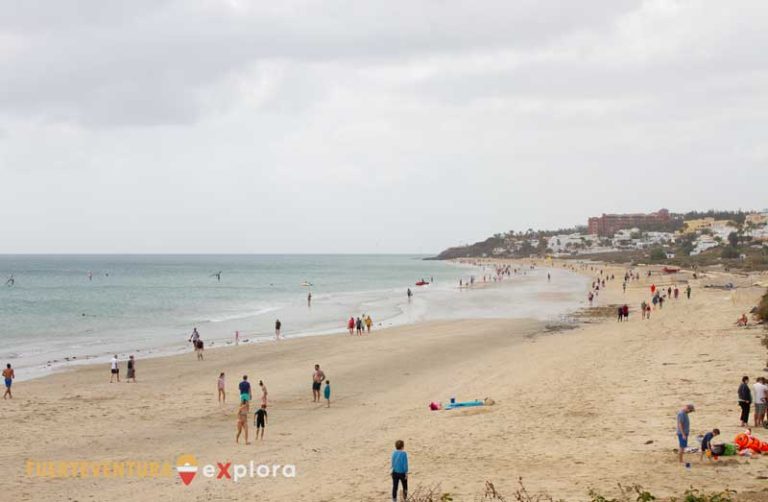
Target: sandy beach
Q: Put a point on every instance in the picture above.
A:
(575, 409)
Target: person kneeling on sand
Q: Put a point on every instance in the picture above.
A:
(706, 444)
(742, 321)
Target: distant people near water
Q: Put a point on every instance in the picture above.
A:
(260, 420)
(194, 337)
(643, 306)
(359, 326)
(351, 325)
(653, 289)
(131, 370)
(745, 400)
(410, 295)
(199, 349)
(683, 429)
(621, 314)
(8, 376)
(399, 470)
(237, 338)
(309, 299)
(11, 281)
(625, 311)
(368, 323)
(706, 444)
(590, 297)
(688, 291)
(760, 398)
(114, 369)
(242, 421)
(221, 386)
(549, 276)
(263, 393)
(245, 389)
(317, 381)
(327, 392)
(278, 327)
(677, 292)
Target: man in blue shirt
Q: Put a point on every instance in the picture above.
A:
(683, 429)
(399, 470)
(245, 389)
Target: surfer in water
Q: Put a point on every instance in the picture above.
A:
(11, 281)
(217, 275)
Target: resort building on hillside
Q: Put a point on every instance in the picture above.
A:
(608, 224)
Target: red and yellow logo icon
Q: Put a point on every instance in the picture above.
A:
(186, 466)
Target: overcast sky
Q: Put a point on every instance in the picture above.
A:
(361, 126)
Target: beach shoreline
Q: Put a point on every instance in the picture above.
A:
(586, 401)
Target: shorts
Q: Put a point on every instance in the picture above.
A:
(315, 385)
(759, 408)
(245, 397)
(683, 443)
(260, 424)
(8, 382)
(114, 372)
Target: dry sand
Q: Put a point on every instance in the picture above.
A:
(575, 409)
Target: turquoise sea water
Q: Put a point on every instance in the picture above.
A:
(85, 307)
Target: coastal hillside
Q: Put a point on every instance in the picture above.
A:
(733, 238)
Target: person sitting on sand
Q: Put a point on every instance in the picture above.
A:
(221, 386)
(260, 420)
(242, 421)
(8, 375)
(742, 321)
(327, 392)
(706, 443)
(683, 429)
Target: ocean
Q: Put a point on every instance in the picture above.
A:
(69, 309)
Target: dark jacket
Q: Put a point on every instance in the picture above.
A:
(744, 393)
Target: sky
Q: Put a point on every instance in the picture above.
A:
(212, 126)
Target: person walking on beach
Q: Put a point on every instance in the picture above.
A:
(8, 376)
(263, 393)
(410, 294)
(131, 370)
(114, 369)
(745, 400)
(309, 299)
(621, 314)
(327, 392)
(368, 323)
(683, 429)
(688, 291)
(643, 306)
(351, 325)
(278, 325)
(317, 380)
(194, 337)
(399, 470)
(242, 421)
(245, 389)
(625, 312)
(199, 349)
(359, 326)
(260, 420)
(221, 387)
